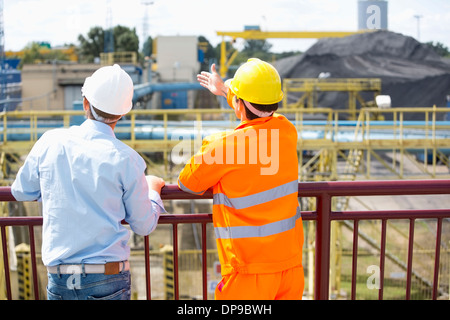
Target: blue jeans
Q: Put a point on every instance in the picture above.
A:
(89, 286)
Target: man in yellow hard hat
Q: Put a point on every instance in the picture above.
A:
(89, 182)
(253, 171)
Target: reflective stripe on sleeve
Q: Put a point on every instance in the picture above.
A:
(257, 198)
(186, 189)
(258, 231)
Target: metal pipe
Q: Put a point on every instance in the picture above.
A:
(142, 90)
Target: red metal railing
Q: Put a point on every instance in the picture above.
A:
(323, 215)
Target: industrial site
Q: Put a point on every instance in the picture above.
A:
(372, 112)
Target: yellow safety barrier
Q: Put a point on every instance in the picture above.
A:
(168, 266)
(24, 271)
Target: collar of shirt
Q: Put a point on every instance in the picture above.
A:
(98, 126)
(249, 123)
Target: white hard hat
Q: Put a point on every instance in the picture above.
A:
(109, 89)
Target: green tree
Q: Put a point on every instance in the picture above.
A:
(40, 52)
(92, 45)
(125, 39)
(440, 48)
(255, 49)
(210, 55)
(217, 49)
(257, 46)
(147, 50)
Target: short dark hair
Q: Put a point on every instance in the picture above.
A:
(261, 107)
(110, 118)
(106, 115)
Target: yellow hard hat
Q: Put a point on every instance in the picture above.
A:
(257, 82)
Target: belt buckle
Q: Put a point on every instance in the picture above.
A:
(112, 268)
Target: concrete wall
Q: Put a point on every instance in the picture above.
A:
(177, 58)
(44, 85)
(177, 61)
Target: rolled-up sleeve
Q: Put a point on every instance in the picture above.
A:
(199, 175)
(142, 205)
(26, 186)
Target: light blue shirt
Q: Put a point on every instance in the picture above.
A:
(88, 182)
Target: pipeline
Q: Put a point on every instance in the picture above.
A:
(158, 130)
(147, 89)
(140, 91)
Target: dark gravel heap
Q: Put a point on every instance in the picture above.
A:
(411, 72)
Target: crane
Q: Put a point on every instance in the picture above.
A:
(2, 56)
(255, 33)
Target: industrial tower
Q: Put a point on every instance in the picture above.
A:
(109, 35)
(145, 24)
(2, 57)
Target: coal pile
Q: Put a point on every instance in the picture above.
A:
(411, 72)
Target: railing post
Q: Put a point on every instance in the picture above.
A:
(410, 258)
(437, 256)
(204, 263)
(148, 288)
(6, 262)
(33, 262)
(322, 274)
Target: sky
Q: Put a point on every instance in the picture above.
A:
(61, 21)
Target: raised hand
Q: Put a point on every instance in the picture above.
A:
(213, 82)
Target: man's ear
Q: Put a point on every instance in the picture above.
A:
(240, 109)
(86, 105)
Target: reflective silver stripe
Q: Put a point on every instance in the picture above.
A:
(257, 198)
(258, 231)
(186, 189)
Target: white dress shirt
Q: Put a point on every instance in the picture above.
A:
(88, 182)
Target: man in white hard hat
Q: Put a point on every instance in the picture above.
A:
(89, 182)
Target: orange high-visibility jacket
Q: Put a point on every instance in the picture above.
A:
(254, 174)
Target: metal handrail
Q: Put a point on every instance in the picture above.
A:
(323, 215)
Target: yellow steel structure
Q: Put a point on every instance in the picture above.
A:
(325, 152)
(320, 158)
(24, 271)
(69, 51)
(257, 34)
(110, 58)
(329, 150)
(310, 87)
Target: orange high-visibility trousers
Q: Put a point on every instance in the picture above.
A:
(284, 285)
